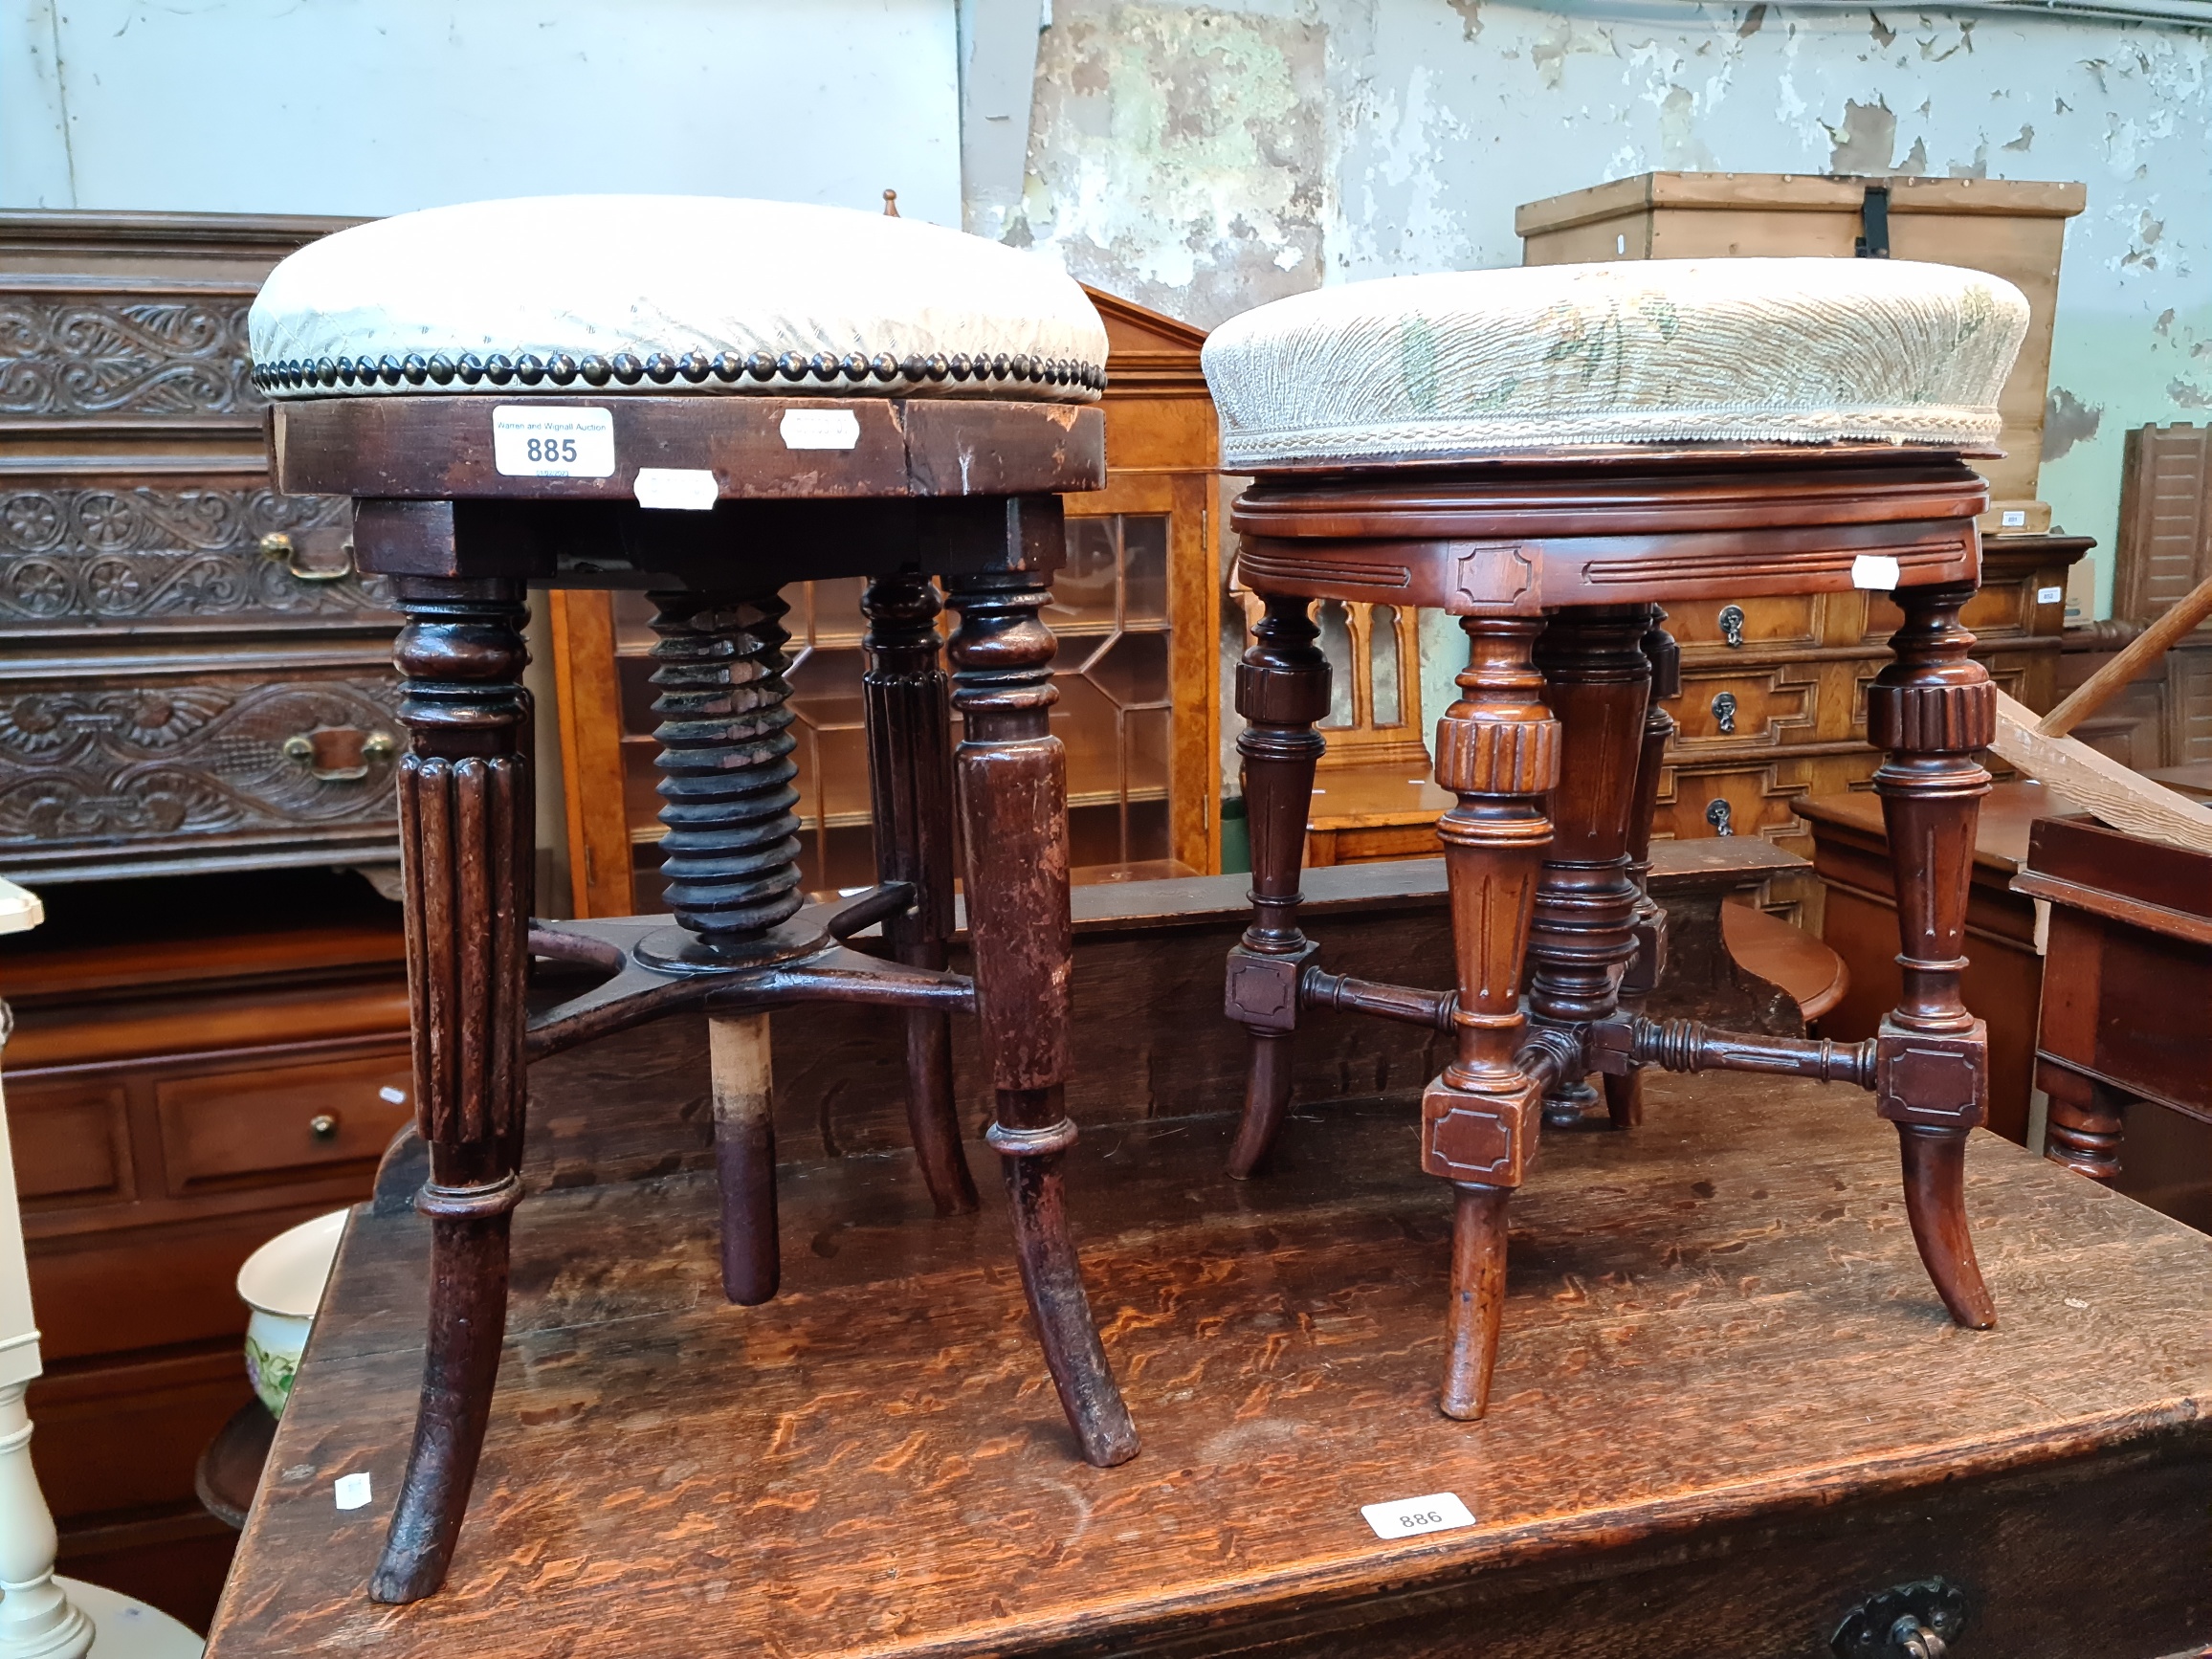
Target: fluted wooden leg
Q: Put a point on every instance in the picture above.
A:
(910, 787)
(1934, 709)
(1013, 800)
(1497, 749)
(465, 835)
(1282, 691)
(1598, 681)
(1625, 1090)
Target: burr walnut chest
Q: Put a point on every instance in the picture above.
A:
(196, 679)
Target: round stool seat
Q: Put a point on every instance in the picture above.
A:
(1412, 368)
(658, 294)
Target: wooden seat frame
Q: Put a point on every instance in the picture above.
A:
(965, 490)
(1556, 562)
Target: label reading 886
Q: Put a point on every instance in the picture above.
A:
(1408, 1517)
(553, 443)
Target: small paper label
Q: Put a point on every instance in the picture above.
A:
(2049, 595)
(684, 489)
(1408, 1517)
(553, 443)
(2012, 518)
(397, 1097)
(820, 429)
(1874, 570)
(352, 1490)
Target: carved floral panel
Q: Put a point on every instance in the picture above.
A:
(146, 355)
(101, 765)
(71, 556)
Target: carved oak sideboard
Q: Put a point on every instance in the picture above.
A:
(195, 677)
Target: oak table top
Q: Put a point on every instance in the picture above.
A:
(1721, 1344)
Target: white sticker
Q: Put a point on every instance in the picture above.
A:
(685, 489)
(352, 1490)
(820, 429)
(397, 1097)
(2012, 518)
(553, 443)
(2049, 595)
(1410, 1516)
(1876, 570)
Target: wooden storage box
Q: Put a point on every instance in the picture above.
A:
(2009, 228)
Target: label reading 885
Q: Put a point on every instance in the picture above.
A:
(553, 443)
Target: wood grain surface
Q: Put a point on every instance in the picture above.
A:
(1730, 1407)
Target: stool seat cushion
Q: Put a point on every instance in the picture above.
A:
(660, 294)
(1639, 351)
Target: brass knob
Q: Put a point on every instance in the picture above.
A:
(298, 748)
(323, 1126)
(277, 544)
(380, 745)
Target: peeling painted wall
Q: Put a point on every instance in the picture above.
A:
(1205, 158)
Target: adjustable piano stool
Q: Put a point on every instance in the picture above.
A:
(710, 398)
(1548, 455)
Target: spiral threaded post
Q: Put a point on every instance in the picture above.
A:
(730, 853)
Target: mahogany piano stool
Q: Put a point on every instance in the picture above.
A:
(898, 464)
(1555, 549)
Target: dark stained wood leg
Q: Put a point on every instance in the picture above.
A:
(1625, 1090)
(730, 858)
(1013, 802)
(465, 834)
(1498, 750)
(1598, 682)
(1934, 709)
(1282, 690)
(910, 788)
(2086, 1126)
(745, 1155)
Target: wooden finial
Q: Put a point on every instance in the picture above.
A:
(891, 203)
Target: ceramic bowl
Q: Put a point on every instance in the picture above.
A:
(282, 1283)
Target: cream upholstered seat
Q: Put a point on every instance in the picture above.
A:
(670, 294)
(1642, 352)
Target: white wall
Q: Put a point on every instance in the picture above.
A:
(375, 106)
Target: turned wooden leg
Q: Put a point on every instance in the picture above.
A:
(737, 1057)
(1625, 1090)
(2085, 1125)
(1598, 682)
(1498, 750)
(730, 857)
(1013, 803)
(1934, 709)
(465, 837)
(910, 787)
(1282, 690)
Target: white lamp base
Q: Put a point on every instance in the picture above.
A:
(126, 1629)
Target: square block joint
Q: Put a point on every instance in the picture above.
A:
(1941, 1081)
(1485, 1139)
(1263, 990)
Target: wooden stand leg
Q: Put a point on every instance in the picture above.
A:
(1934, 709)
(910, 787)
(1598, 681)
(465, 835)
(2086, 1127)
(1625, 1090)
(737, 1057)
(1498, 750)
(1013, 800)
(1282, 690)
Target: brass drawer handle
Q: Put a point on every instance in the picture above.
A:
(1917, 1621)
(324, 555)
(1724, 712)
(1732, 627)
(339, 754)
(323, 1126)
